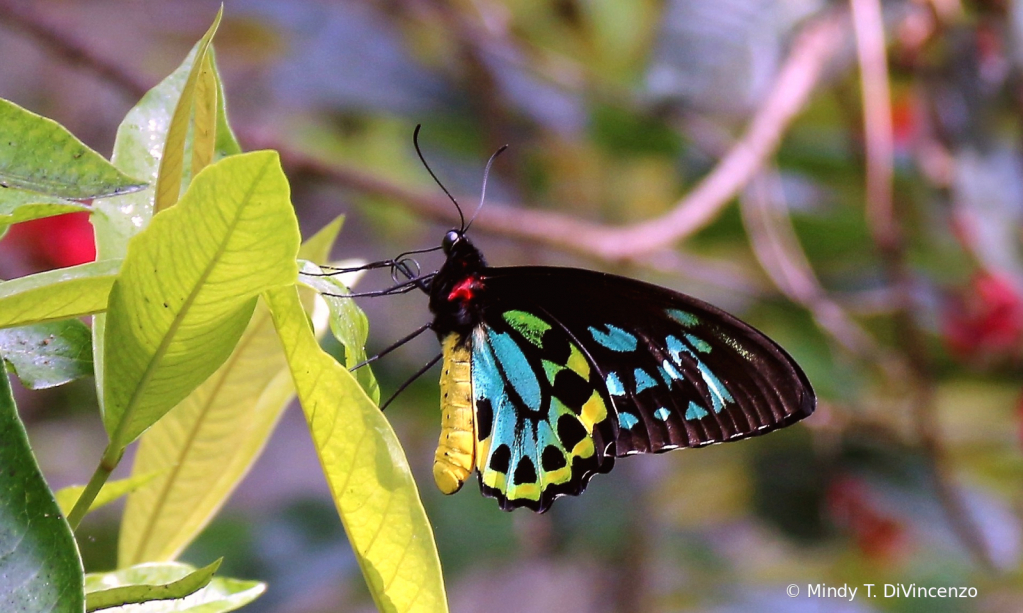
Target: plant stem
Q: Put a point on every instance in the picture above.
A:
(111, 457)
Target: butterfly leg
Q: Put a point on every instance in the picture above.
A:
(393, 346)
(409, 381)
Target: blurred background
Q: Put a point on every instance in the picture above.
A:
(848, 177)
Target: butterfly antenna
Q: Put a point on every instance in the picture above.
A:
(483, 195)
(415, 141)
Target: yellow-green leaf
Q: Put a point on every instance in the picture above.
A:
(18, 205)
(40, 155)
(111, 491)
(168, 182)
(163, 579)
(365, 468)
(57, 294)
(204, 131)
(226, 143)
(138, 150)
(205, 445)
(347, 322)
(188, 286)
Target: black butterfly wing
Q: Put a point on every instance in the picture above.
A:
(679, 372)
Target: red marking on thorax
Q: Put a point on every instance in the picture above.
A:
(465, 289)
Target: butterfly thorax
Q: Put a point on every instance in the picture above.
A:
(456, 291)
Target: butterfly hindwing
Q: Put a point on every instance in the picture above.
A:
(677, 371)
(543, 418)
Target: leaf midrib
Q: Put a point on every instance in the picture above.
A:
(185, 450)
(161, 350)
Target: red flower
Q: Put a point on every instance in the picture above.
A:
(986, 319)
(55, 242)
(852, 507)
(904, 123)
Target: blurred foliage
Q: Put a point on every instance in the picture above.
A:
(614, 111)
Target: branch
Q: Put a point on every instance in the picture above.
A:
(777, 249)
(814, 47)
(819, 41)
(887, 233)
(437, 207)
(72, 49)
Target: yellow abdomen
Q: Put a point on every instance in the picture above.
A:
(453, 462)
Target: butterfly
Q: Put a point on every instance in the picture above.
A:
(549, 374)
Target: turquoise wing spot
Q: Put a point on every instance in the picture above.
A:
(698, 343)
(614, 339)
(627, 420)
(720, 396)
(643, 380)
(662, 414)
(513, 362)
(676, 348)
(673, 372)
(524, 448)
(664, 375)
(719, 392)
(614, 385)
(695, 411)
(487, 383)
(686, 319)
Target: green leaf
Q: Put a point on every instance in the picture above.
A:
(40, 155)
(347, 322)
(227, 144)
(219, 595)
(365, 468)
(18, 205)
(188, 286)
(148, 592)
(138, 150)
(57, 294)
(206, 444)
(50, 354)
(204, 133)
(111, 491)
(168, 181)
(39, 568)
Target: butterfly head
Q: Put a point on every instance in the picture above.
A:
(450, 240)
(462, 256)
(456, 290)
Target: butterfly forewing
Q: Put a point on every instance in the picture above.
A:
(677, 371)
